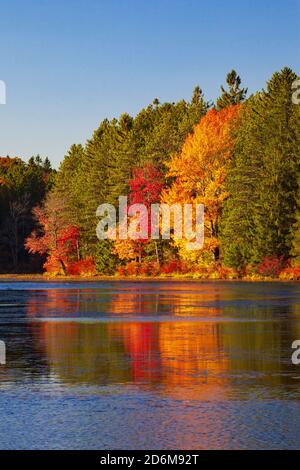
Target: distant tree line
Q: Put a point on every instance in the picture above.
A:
(22, 187)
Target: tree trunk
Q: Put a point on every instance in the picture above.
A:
(63, 266)
(156, 252)
(217, 254)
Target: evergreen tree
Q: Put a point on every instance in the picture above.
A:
(295, 250)
(22, 186)
(100, 172)
(260, 212)
(235, 93)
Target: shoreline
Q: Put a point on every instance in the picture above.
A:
(98, 278)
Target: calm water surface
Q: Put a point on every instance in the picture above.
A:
(149, 365)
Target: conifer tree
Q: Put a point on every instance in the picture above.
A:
(235, 93)
(263, 181)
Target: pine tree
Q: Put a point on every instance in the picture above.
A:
(260, 212)
(235, 93)
(101, 171)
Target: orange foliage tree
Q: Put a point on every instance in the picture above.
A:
(200, 171)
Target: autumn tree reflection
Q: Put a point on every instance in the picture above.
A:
(180, 340)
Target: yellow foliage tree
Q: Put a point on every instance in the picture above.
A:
(200, 171)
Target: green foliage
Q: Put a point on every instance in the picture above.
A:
(106, 261)
(100, 172)
(235, 94)
(263, 182)
(22, 186)
(295, 249)
(259, 215)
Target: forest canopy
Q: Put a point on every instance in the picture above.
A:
(239, 156)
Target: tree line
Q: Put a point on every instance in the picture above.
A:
(22, 187)
(238, 156)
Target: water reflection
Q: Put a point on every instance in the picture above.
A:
(183, 359)
(187, 340)
(149, 365)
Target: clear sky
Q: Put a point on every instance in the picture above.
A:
(68, 64)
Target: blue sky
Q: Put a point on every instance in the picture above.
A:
(68, 64)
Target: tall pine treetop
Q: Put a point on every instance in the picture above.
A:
(235, 93)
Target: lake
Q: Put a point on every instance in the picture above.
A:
(149, 365)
